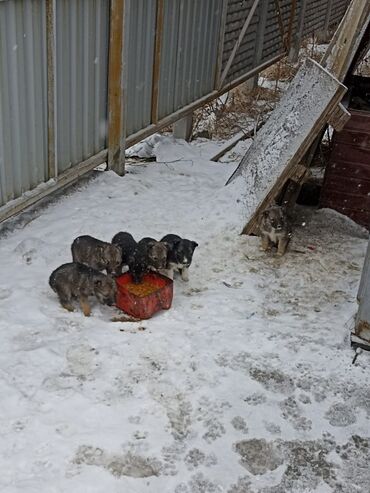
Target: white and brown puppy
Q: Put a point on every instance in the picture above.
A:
(180, 256)
(275, 229)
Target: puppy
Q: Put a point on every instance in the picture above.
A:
(275, 229)
(127, 244)
(97, 254)
(180, 255)
(77, 281)
(156, 252)
(138, 263)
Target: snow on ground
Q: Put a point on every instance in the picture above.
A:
(245, 385)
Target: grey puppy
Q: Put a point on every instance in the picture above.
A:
(77, 281)
(97, 254)
(275, 229)
(156, 252)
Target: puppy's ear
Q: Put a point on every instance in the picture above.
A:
(194, 244)
(167, 245)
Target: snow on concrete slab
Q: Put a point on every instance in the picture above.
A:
(245, 385)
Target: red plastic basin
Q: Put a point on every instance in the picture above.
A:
(144, 307)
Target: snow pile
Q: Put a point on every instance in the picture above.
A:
(245, 385)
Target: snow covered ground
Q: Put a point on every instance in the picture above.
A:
(244, 386)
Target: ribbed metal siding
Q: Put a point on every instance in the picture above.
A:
(315, 15)
(237, 12)
(189, 52)
(82, 64)
(337, 11)
(272, 40)
(23, 101)
(139, 48)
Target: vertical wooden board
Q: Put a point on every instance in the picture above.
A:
(291, 128)
(116, 151)
(157, 59)
(51, 58)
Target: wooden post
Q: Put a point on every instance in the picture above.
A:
(259, 41)
(221, 42)
(157, 59)
(297, 39)
(346, 40)
(183, 128)
(116, 131)
(323, 35)
(51, 88)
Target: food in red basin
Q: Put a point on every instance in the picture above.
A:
(142, 300)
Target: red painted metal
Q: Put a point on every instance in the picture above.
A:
(143, 307)
(346, 187)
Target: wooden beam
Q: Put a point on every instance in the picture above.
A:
(339, 117)
(238, 42)
(347, 38)
(116, 133)
(51, 87)
(157, 59)
(295, 46)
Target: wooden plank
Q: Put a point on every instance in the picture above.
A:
(116, 134)
(51, 87)
(281, 144)
(230, 144)
(238, 42)
(157, 59)
(339, 117)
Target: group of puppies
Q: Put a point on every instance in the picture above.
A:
(84, 277)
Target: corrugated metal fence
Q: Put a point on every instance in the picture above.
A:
(176, 54)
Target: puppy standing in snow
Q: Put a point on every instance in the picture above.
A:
(77, 281)
(275, 229)
(97, 254)
(179, 257)
(147, 254)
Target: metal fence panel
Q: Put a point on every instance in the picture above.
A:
(315, 16)
(23, 101)
(337, 10)
(82, 37)
(237, 12)
(139, 48)
(190, 43)
(189, 52)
